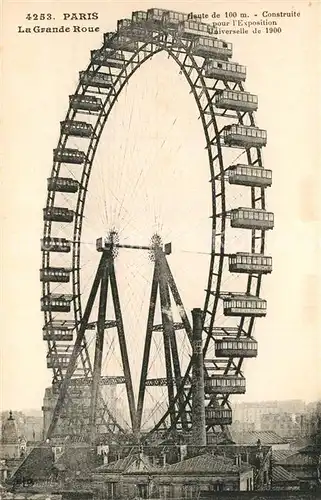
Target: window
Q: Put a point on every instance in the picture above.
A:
(143, 490)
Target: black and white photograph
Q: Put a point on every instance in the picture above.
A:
(160, 256)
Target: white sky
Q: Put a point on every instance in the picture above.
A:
(40, 71)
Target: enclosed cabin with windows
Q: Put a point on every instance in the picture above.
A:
(58, 214)
(155, 17)
(108, 37)
(225, 384)
(136, 31)
(235, 347)
(225, 70)
(76, 128)
(251, 218)
(124, 25)
(68, 155)
(242, 262)
(55, 274)
(244, 305)
(218, 416)
(93, 79)
(249, 175)
(172, 19)
(88, 103)
(124, 42)
(58, 359)
(49, 244)
(62, 184)
(59, 330)
(56, 302)
(192, 29)
(236, 100)
(244, 136)
(108, 58)
(212, 47)
(139, 17)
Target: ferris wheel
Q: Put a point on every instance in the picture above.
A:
(116, 298)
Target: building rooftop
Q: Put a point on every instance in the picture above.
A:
(301, 459)
(118, 466)
(278, 456)
(311, 449)
(134, 462)
(252, 437)
(37, 464)
(206, 463)
(281, 475)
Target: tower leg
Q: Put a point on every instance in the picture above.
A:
(198, 400)
(98, 350)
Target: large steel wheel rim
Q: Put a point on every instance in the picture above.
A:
(192, 67)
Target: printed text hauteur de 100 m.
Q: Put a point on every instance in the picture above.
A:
(72, 16)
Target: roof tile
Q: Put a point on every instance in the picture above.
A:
(206, 463)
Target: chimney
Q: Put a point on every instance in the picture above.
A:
(198, 403)
(183, 452)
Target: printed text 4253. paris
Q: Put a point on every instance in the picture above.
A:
(65, 16)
